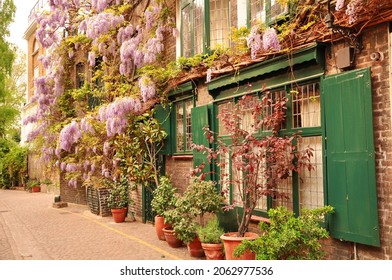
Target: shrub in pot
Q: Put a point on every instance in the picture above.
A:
(164, 198)
(34, 185)
(199, 198)
(288, 236)
(211, 242)
(118, 199)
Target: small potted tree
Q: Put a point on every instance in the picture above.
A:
(118, 199)
(211, 242)
(258, 163)
(164, 198)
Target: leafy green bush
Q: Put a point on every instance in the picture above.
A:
(289, 237)
(211, 232)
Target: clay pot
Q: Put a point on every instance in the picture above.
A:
(119, 214)
(171, 238)
(195, 249)
(159, 225)
(213, 251)
(231, 241)
(36, 189)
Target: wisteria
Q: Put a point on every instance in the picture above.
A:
(266, 41)
(115, 114)
(270, 40)
(339, 5)
(353, 10)
(69, 135)
(254, 41)
(147, 88)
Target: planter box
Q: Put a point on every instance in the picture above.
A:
(97, 201)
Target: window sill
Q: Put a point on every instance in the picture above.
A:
(258, 219)
(182, 157)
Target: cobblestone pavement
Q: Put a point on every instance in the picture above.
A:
(30, 228)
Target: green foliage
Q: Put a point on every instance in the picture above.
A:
(33, 183)
(164, 196)
(211, 232)
(200, 197)
(289, 237)
(13, 163)
(118, 193)
(138, 148)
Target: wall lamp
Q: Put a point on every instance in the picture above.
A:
(344, 31)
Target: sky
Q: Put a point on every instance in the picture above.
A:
(20, 24)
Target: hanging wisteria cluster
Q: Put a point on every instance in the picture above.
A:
(266, 41)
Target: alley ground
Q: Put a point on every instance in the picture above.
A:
(30, 228)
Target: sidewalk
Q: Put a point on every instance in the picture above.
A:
(30, 228)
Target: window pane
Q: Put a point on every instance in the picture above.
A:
(224, 175)
(257, 10)
(285, 194)
(274, 96)
(306, 106)
(247, 120)
(221, 107)
(278, 9)
(198, 26)
(188, 117)
(180, 126)
(186, 31)
(311, 190)
(219, 23)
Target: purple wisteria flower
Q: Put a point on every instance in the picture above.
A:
(147, 88)
(69, 135)
(271, 40)
(339, 5)
(254, 41)
(353, 9)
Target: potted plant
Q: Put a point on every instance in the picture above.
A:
(118, 199)
(199, 198)
(34, 185)
(164, 198)
(171, 217)
(259, 163)
(211, 242)
(288, 236)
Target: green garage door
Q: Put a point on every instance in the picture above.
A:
(350, 159)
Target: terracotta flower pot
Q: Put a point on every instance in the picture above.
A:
(195, 249)
(36, 189)
(213, 251)
(231, 241)
(171, 238)
(119, 214)
(159, 225)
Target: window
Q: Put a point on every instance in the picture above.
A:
(80, 74)
(183, 125)
(204, 26)
(266, 11)
(305, 190)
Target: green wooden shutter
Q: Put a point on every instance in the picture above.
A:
(350, 160)
(200, 119)
(163, 115)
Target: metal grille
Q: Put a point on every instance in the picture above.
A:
(219, 23)
(311, 190)
(186, 31)
(306, 106)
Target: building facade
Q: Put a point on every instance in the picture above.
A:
(337, 80)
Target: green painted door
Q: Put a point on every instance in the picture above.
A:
(350, 159)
